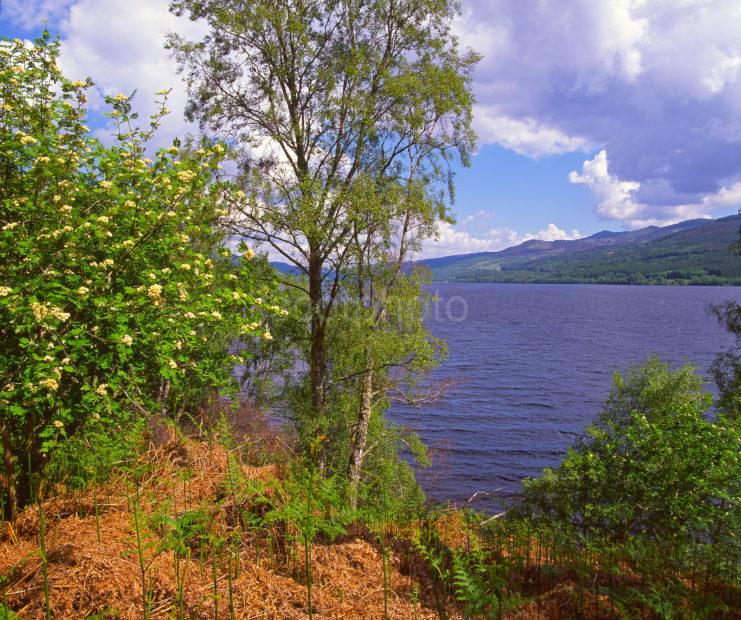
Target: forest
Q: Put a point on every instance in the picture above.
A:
(188, 433)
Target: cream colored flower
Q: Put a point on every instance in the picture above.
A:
(154, 291)
(40, 311)
(50, 384)
(120, 97)
(185, 266)
(65, 209)
(58, 424)
(249, 254)
(103, 219)
(10, 225)
(83, 290)
(5, 291)
(59, 314)
(106, 184)
(182, 293)
(102, 389)
(189, 315)
(172, 364)
(258, 301)
(267, 336)
(216, 314)
(127, 340)
(129, 204)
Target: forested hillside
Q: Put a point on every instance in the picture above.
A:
(693, 252)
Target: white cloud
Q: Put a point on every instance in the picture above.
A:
(723, 73)
(121, 50)
(554, 233)
(655, 83)
(526, 136)
(452, 240)
(614, 197)
(617, 199)
(31, 14)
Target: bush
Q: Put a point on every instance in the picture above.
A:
(117, 295)
(653, 466)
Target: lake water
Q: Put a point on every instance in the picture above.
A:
(535, 362)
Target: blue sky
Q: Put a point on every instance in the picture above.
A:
(591, 114)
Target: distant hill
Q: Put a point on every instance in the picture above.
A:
(285, 268)
(691, 252)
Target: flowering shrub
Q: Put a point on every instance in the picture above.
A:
(117, 294)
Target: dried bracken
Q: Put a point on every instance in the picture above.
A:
(87, 576)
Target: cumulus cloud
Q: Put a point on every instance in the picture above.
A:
(526, 136)
(30, 14)
(454, 240)
(618, 200)
(121, 50)
(615, 197)
(656, 84)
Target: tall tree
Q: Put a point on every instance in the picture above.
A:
(320, 96)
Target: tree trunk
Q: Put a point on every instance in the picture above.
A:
(10, 482)
(317, 360)
(360, 436)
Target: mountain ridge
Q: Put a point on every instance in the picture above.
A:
(695, 251)
(689, 252)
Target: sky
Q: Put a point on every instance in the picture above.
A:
(591, 114)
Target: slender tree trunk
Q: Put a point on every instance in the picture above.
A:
(317, 361)
(10, 480)
(360, 437)
(163, 396)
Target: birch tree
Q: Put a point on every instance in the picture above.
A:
(320, 97)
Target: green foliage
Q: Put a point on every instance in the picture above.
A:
(726, 368)
(653, 466)
(7, 614)
(367, 112)
(312, 505)
(116, 293)
(479, 583)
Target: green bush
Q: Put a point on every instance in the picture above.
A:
(117, 295)
(654, 465)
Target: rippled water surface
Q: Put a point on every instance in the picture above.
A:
(535, 363)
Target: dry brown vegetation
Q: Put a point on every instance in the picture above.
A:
(88, 577)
